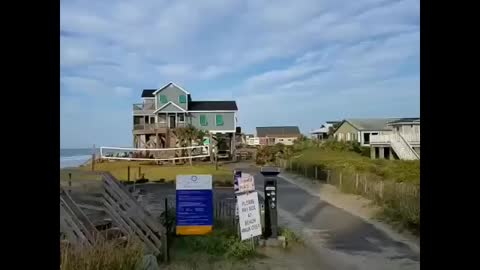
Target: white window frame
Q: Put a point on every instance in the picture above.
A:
(178, 118)
(159, 118)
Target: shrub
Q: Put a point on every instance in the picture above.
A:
(290, 236)
(108, 255)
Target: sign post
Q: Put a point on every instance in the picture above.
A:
(249, 215)
(247, 207)
(194, 204)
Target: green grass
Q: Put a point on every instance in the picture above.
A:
(400, 199)
(119, 169)
(221, 244)
(395, 170)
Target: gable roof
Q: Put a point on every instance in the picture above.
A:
(167, 85)
(280, 130)
(148, 93)
(370, 123)
(180, 109)
(212, 106)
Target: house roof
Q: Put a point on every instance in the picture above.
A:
(212, 106)
(323, 129)
(167, 85)
(282, 131)
(148, 93)
(412, 120)
(333, 122)
(371, 123)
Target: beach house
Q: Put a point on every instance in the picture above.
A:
(392, 138)
(170, 107)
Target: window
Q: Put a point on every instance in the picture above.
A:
(203, 120)
(280, 140)
(163, 99)
(219, 120)
(182, 99)
(152, 119)
(289, 140)
(375, 133)
(181, 118)
(162, 118)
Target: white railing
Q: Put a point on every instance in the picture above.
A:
(381, 139)
(411, 137)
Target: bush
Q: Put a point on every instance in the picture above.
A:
(290, 236)
(108, 255)
(238, 249)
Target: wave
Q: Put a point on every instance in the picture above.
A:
(73, 161)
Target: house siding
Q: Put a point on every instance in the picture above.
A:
(228, 120)
(346, 132)
(171, 93)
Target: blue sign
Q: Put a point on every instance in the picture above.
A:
(194, 204)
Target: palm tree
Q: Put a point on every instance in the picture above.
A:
(187, 135)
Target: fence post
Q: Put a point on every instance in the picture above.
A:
(356, 182)
(316, 172)
(306, 175)
(340, 181)
(365, 183)
(381, 189)
(93, 159)
(139, 171)
(128, 173)
(328, 176)
(290, 163)
(69, 182)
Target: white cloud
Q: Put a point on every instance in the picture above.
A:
(312, 55)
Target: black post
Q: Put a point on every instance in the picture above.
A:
(69, 182)
(128, 173)
(167, 227)
(271, 201)
(140, 172)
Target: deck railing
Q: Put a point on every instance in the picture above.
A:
(143, 107)
(156, 126)
(380, 139)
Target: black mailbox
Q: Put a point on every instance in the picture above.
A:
(271, 201)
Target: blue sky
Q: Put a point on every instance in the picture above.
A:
(284, 62)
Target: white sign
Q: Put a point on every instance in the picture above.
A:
(246, 183)
(249, 217)
(194, 182)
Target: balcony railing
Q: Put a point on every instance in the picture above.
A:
(386, 139)
(156, 126)
(141, 107)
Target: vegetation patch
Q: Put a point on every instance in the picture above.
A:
(105, 255)
(152, 172)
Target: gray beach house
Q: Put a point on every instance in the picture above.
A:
(170, 107)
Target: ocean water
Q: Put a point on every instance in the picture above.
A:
(70, 157)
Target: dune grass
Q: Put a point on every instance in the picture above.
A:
(152, 172)
(392, 184)
(395, 170)
(105, 254)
